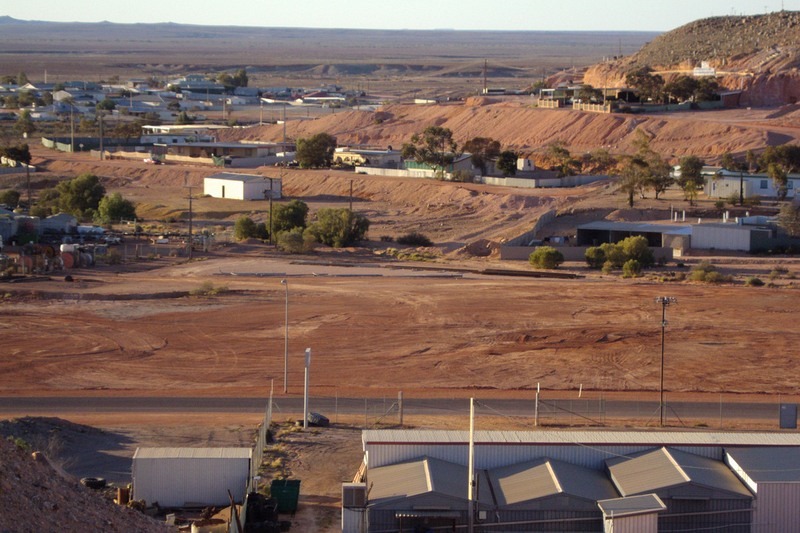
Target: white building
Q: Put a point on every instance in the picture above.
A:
(242, 186)
(179, 477)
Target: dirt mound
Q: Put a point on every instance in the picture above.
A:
(480, 248)
(519, 126)
(761, 61)
(37, 498)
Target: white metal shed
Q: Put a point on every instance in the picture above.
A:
(177, 477)
(242, 186)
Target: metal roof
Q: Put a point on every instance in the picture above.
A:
(232, 176)
(546, 477)
(633, 505)
(664, 468)
(765, 465)
(580, 438)
(636, 227)
(193, 453)
(418, 477)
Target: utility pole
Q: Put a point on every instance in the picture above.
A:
(664, 301)
(191, 237)
(100, 114)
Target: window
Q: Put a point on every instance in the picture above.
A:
(764, 184)
(790, 185)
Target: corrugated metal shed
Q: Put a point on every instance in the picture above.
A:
(773, 474)
(637, 514)
(666, 468)
(523, 482)
(584, 448)
(176, 477)
(645, 503)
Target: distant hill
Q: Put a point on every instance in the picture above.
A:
(757, 54)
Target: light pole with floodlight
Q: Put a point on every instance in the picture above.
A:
(664, 301)
(285, 283)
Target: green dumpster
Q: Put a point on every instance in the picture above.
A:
(286, 492)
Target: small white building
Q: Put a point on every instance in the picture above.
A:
(180, 477)
(242, 186)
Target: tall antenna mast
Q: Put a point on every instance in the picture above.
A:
(485, 64)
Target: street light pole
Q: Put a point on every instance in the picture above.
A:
(285, 283)
(664, 301)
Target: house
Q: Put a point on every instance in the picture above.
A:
(236, 154)
(724, 184)
(242, 186)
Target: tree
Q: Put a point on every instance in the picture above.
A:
(10, 198)
(338, 227)
(244, 228)
(80, 196)
(288, 216)
(507, 162)
(316, 151)
(780, 178)
(22, 79)
(482, 149)
(22, 154)
(183, 118)
(633, 177)
(107, 104)
(434, 147)
(691, 178)
(587, 93)
(682, 88)
(546, 257)
(659, 174)
(24, 125)
(789, 219)
(650, 86)
(707, 90)
(114, 208)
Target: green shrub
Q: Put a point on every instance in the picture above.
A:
(753, 281)
(338, 227)
(414, 239)
(546, 257)
(719, 204)
(595, 257)
(631, 269)
(294, 241)
(244, 228)
(638, 249)
(614, 254)
(608, 267)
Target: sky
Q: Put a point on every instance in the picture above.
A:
(532, 15)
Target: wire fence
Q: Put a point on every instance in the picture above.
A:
(677, 412)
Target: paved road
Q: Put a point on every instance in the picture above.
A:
(554, 410)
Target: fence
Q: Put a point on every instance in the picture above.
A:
(578, 408)
(259, 446)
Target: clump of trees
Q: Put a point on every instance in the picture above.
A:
(292, 233)
(645, 170)
(631, 254)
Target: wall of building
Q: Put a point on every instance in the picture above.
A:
(176, 482)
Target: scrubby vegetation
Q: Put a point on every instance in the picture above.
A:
(546, 257)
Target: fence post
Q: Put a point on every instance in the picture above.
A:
(400, 406)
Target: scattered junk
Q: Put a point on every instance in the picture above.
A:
(261, 514)
(318, 420)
